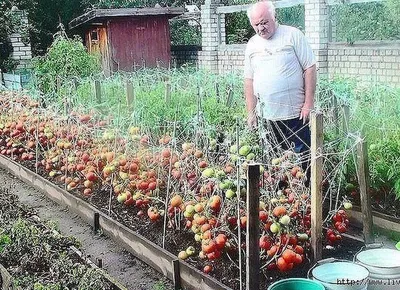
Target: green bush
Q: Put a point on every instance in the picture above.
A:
(384, 159)
(66, 58)
(374, 109)
(393, 8)
(365, 21)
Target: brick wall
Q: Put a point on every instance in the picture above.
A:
(21, 51)
(231, 58)
(211, 28)
(368, 61)
(316, 31)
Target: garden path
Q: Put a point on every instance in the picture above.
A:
(120, 264)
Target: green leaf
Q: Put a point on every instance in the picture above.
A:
(398, 246)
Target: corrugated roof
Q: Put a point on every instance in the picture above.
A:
(100, 14)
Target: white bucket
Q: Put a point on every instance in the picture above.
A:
(383, 266)
(340, 275)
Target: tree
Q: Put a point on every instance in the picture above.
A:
(393, 7)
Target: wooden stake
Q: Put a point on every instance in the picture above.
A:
(96, 222)
(99, 262)
(238, 205)
(335, 115)
(316, 185)
(75, 84)
(216, 85)
(229, 99)
(346, 119)
(129, 94)
(363, 181)
(58, 84)
(176, 275)
(253, 228)
(97, 91)
(167, 92)
(346, 128)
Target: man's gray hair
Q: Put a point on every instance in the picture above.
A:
(268, 4)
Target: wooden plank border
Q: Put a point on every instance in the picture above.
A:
(379, 219)
(6, 280)
(150, 253)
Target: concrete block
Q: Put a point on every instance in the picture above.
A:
(17, 44)
(354, 58)
(25, 48)
(18, 53)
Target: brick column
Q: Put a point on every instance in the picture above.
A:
(317, 26)
(21, 51)
(210, 34)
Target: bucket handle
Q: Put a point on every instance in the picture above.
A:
(321, 262)
(368, 247)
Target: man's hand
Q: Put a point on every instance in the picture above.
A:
(305, 112)
(251, 103)
(252, 120)
(310, 81)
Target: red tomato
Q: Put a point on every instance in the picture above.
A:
(299, 250)
(289, 255)
(207, 269)
(283, 265)
(342, 228)
(265, 243)
(298, 259)
(220, 240)
(208, 246)
(214, 255)
(263, 215)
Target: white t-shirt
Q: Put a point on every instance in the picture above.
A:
(276, 66)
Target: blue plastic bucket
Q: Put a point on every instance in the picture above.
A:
(340, 275)
(296, 284)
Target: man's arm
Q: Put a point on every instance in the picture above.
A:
(310, 83)
(251, 103)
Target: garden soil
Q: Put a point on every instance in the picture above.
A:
(120, 264)
(127, 269)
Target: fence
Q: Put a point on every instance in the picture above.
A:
(185, 54)
(368, 61)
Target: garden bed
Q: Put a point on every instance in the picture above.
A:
(121, 224)
(33, 254)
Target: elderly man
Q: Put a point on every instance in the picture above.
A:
(280, 78)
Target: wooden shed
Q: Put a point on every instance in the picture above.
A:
(128, 38)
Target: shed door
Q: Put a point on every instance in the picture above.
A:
(96, 39)
(139, 41)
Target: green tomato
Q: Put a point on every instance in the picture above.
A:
(285, 220)
(275, 228)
